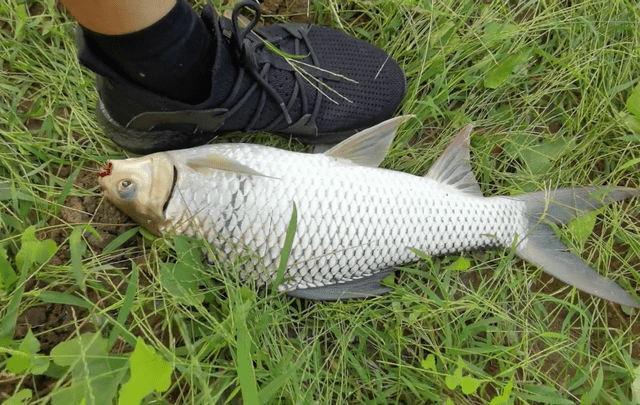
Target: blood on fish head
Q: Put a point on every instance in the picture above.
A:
(106, 170)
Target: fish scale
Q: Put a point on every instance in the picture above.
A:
(356, 222)
(364, 225)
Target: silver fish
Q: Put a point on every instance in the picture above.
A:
(355, 221)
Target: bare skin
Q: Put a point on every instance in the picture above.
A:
(115, 17)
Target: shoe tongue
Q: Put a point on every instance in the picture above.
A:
(224, 74)
(224, 71)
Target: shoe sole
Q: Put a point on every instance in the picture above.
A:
(145, 142)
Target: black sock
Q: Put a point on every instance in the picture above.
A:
(173, 56)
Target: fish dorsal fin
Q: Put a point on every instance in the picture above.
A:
(452, 167)
(370, 146)
(217, 161)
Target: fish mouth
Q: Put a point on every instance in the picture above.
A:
(174, 180)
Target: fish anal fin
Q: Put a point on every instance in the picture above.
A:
(217, 161)
(368, 147)
(452, 167)
(365, 287)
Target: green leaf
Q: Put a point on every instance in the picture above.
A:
(27, 359)
(8, 321)
(635, 386)
(452, 381)
(500, 73)
(461, 264)
(183, 278)
(436, 37)
(147, 235)
(149, 372)
(537, 156)
(84, 346)
(593, 394)
(582, 227)
(633, 124)
(468, 384)
(23, 257)
(21, 397)
(94, 381)
(429, 363)
(633, 102)
(506, 393)
(21, 12)
(71, 395)
(629, 138)
(77, 246)
(34, 251)
(95, 373)
(19, 362)
(494, 30)
(8, 276)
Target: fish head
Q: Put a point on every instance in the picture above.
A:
(140, 187)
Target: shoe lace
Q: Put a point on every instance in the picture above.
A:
(243, 42)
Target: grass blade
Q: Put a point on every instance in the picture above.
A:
(270, 390)
(76, 250)
(55, 297)
(120, 240)
(246, 373)
(125, 309)
(286, 249)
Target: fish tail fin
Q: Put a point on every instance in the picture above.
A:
(543, 248)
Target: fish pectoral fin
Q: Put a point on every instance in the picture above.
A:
(217, 161)
(452, 167)
(361, 288)
(368, 147)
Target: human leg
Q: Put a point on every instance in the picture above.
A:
(167, 51)
(116, 17)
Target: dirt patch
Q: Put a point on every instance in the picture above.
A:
(298, 11)
(50, 323)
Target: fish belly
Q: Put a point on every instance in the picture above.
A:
(352, 221)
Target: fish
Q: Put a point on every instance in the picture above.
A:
(356, 222)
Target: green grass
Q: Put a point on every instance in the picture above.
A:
(552, 88)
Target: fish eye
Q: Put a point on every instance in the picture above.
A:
(125, 184)
(126, 189)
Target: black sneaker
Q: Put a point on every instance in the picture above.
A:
(320, 87)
